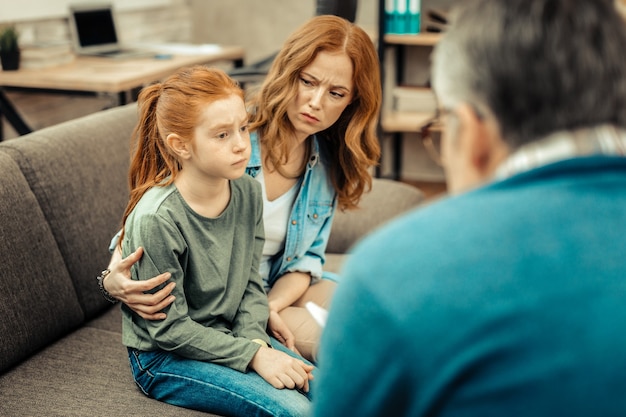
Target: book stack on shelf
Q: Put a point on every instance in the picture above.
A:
(411, 106)
(414, 98)
(435, 20)
(402, 17)
(44, 55)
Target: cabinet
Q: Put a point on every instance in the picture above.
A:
(408, 103)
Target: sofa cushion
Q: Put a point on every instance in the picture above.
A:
(386, 200)
(110, 320)
(334, 262)
(39, 302)
(83, 374)
(83, 193)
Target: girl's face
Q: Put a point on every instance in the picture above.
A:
(221, 143)
(325, 89)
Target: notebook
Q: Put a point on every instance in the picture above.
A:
(320, 314)
(94, 32)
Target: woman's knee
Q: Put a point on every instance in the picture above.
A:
(305, 330)
(321, 293)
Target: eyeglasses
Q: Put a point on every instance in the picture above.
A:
(430, 133)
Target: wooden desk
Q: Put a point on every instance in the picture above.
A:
(102, 75)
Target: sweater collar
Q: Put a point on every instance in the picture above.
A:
(600, 140)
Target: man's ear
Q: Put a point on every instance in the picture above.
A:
(179, 146)
(481, 140)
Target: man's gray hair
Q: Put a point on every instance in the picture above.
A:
(537, 66)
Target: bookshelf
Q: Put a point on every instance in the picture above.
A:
(402, 118)
(408, 101)
(403, 121)
(421, 39)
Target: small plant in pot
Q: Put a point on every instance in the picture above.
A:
(9, 48)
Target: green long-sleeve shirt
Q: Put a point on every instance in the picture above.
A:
(220, 304)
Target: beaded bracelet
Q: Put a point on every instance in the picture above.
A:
(103, 290)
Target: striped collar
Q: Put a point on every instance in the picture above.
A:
(600, 140)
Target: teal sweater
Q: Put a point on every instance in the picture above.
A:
(220, 303)
(509, 300)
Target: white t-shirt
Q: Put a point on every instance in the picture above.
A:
(275, 218)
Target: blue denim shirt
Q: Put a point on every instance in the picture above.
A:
(310, 219)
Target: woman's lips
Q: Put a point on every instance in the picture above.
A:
(310, 118)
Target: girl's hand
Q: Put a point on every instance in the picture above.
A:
(133, 293)
(282, 370)
(281, 332)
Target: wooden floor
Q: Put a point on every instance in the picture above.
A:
(40, 110)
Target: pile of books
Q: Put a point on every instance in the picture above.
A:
(44, 55)
(402, 17)
(414, 99)
(435, 20)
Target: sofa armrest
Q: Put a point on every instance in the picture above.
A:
(386, 200)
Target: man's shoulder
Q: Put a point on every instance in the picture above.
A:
(442, 231)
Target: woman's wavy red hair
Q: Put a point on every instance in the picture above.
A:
(352, 144)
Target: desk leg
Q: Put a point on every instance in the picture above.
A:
(13, 117)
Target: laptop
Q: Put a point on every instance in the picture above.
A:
(94, 32)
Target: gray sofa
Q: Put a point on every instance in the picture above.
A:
(62, 192)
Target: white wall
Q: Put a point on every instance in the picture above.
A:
(139, 20)
(11, 10)
(260, 27)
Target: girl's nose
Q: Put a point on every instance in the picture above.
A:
(241, 141)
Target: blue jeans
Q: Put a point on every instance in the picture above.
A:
(214, 388)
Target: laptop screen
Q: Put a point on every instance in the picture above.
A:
(95, 27)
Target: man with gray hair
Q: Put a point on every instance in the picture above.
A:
(508, 297)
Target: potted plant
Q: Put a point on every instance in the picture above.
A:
(9, 48)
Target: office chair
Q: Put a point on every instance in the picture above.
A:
(258, 70)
